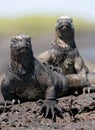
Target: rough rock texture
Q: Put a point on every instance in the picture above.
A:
(78, 113)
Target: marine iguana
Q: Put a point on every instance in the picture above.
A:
(29, 80)
(63, 55)
(63, 52)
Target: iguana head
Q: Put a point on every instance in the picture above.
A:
(64, 28)
(20, 44)
(64, 22)
(21, 54)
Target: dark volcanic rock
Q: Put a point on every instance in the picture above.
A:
(78, 114)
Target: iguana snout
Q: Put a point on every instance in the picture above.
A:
(64, 22)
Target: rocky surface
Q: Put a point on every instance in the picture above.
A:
(78, 113)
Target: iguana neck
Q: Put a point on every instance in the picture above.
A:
(22, 64)
(64, 39)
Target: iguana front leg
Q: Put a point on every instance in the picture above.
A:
(50, 104)
(80, 66)
(8, 93)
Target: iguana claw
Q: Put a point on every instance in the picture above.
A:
(12, 102)
(50, 108)
(89, 89)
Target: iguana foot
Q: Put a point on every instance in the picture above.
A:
(57, 69)
(50, 108)
(12, 102)
(89, 89)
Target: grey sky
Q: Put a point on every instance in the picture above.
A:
(79, 8)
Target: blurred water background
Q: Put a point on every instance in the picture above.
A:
(38, 19)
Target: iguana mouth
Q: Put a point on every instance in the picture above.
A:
(64, 22)
(63, 25)
(22, 49)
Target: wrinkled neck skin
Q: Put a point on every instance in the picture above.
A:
(64, 39)
(22, 64)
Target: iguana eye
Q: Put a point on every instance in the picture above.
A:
(14, 40)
